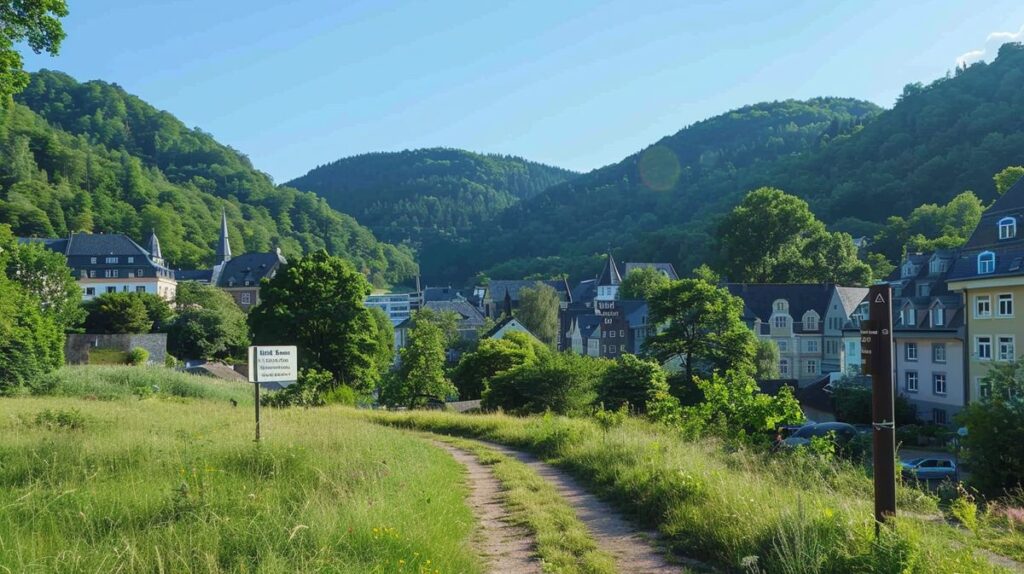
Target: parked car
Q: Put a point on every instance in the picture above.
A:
(841, 432)
(927, 469)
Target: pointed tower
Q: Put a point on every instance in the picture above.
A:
(154, 248)
(223, 245)
(609, 280)
(508, 303)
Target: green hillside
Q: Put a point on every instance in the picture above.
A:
(91, 157)
(422, 195)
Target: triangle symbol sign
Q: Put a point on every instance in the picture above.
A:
(879, 298)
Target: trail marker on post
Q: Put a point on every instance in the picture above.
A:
(278, 365)
(876, 360)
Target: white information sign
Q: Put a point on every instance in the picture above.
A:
(273, 364)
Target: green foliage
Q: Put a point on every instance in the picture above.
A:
(994, 445)
(60, 419)
(46, 276)
(772, 237)
(766, 359)
(703, 329)
(1006, 178)
(965, 510)
(538, 311)
(138, 356)
(209, 325)
(734, 403)
(118, 313)
(421, 376)
(313, 389)
(424, 195)
(316, 303)
(491, 357)
(853, 405)
(929, 227)
(642, 283)
(33, 22)
(90, 157)
(631, 382)
(31, 342)
(385, 339)
(123, 382)
(446, 321)
(563, 383)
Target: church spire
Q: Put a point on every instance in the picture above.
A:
(223, 246)
(154, 246)
(508, 303)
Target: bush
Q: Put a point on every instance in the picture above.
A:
(138, 356)
(853, 405)
(631, 382)
(491, 357)
(123, 382)
(340, 395)
(31, 342)
(60, 419)
(560, 382)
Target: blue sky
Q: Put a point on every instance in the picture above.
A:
(576, 84)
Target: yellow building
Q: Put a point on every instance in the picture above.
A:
(989, 273)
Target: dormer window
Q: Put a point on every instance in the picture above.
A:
(936, 266)
(781, 305)
(810, 321)
(1007, 228)
(986, 262)
(908, 270)
(938, 316)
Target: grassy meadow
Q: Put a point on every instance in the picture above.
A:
(116, 476)
(742, 510)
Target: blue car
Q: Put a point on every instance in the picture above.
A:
(928, 469)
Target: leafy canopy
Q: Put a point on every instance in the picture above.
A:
(642, 283)
(35, 22)
(538, 311)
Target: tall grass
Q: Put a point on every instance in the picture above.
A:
(177, 485)
(789, 513)
(104, 382)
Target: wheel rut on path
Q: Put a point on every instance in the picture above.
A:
(505, 547)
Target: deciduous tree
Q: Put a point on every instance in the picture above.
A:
(538, 310)
(420, 375)
(117, 313)
(491, 357)
(35, 22)
(642, 283)
(631, 381)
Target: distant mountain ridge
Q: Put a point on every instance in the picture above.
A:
(422, 195)
(91, 157)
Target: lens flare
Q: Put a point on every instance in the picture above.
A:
(659, 168)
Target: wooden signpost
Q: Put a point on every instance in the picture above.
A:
(876, 360)
(279, 364)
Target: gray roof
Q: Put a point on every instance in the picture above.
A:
(1009, 253)
(497, 287)
(440, 294)
(94, 244)
(851, 297)
(610, 274)
(665, 268)
(201, 275)
(906, 292)
(585, 291)
(469, 316)
(802, 297)
(251, 268)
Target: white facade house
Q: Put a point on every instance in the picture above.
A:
(397, 306)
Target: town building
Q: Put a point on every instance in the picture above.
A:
(114, 263)
(492, 295)
(469, 322)
(397, 306)
(805, 320)
(989, 273)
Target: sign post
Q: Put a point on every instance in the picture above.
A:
(876, 360)
(278, 365)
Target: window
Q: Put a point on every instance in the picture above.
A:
(245, 298)
(985, 390)
(1006, 348)
(780, 322)
(140, 289)
(92, 273)
(110, 260)
(924, 289)
(622, 333)
(783, 346)
(910, 351)
(622, 348)
(939, 416)
(611, 334)
(1007, 228)
(812, 367)
(810, 322)
(983, 347)
(939, 352)
(939, 383)
(111, 289)
(90, 291)
(911, 316)
(780, 305)
(982, 307)
(92, 260)
(784, 367)
(140, 272)
(938, 316)
(131, 260)
(1005, 305)
(812, 346)
(986, 262)
(124, 288)
(910, 381)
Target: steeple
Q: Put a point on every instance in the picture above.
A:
(508, 303)
(223, 246)
(154, 247)
(608, 281)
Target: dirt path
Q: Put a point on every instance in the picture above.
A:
(505, 547)
(633, 550)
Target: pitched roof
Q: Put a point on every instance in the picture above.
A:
(249, 267)
(1009, 253)
(665, 268)
(223, 244)
(203, 275)
(851, 297)
(440, 294)
(585, 291)
(102, 244)
(802, 297)
(497, 287)
(502, 324)
(610, 274)
(469, 316)
(907, 292)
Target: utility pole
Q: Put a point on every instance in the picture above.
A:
(876, 360)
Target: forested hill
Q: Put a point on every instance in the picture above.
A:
(643, 205)
(426, 194)
(91, 157)
(856, 166)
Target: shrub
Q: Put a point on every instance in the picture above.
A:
(138, 356)
(560, 382)
(965, 510)
(491, 357)
(631, 382)
(340, 395)
(31, 342)
(60, 419)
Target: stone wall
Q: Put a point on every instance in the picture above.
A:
(76, 348)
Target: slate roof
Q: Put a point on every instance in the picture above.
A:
(201, 275)
(95, 244)
(249, 267)
(587, 325)
(496, 288)
(802, 297)
(60, 245)
(610, 274)
(851, 297)
(469, 316)
(1009, 252)
(585, 291)
(501, 324)
(440, 294)
(665, 268)
(906, 293)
